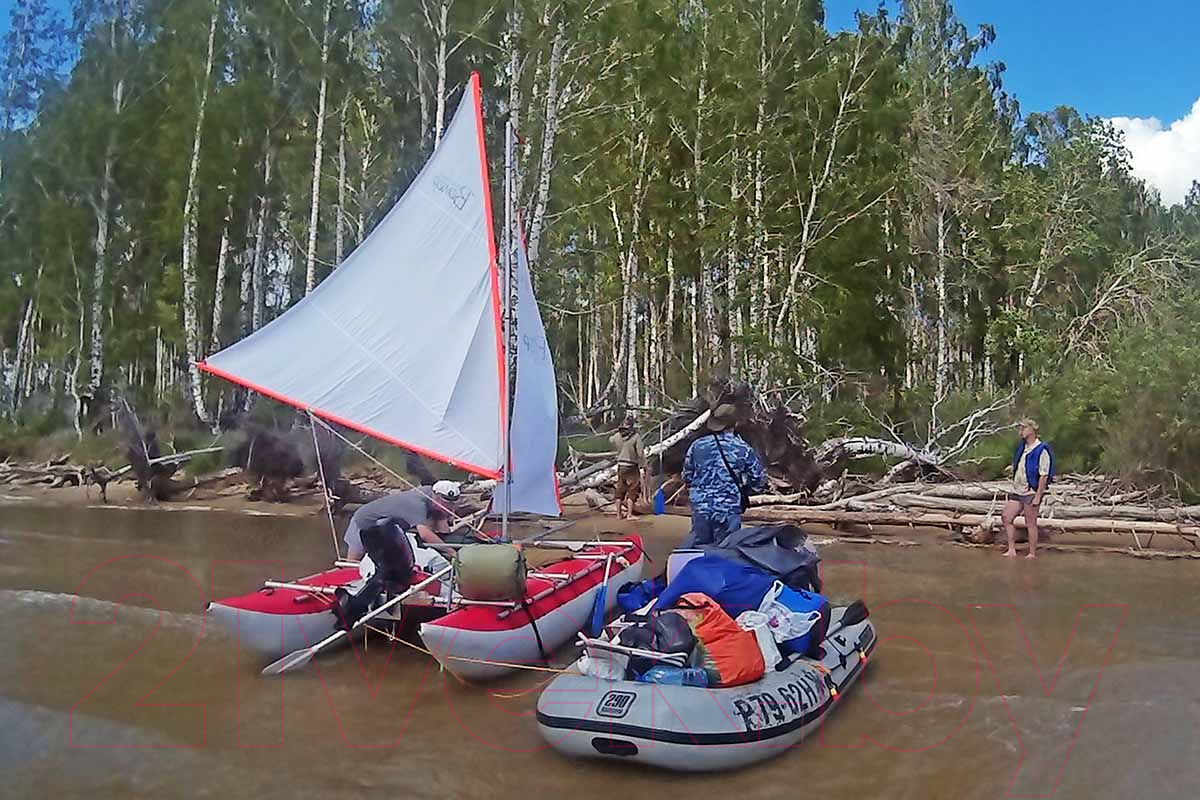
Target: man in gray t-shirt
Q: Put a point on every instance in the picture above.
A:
(427, 509)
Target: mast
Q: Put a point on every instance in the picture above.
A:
(509, 316)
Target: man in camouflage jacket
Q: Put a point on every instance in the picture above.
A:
(716, 496)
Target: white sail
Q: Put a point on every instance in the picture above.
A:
(403, 341)
(533, 486)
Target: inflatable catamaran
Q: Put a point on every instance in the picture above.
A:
(406, 342)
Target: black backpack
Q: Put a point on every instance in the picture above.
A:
(390, 550)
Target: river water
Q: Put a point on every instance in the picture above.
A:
(111, 685)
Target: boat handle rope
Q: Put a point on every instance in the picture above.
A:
(555, 671)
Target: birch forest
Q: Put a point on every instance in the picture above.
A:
(863, 224)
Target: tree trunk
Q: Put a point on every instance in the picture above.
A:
(442, 31)
(191, 300)
(310, 258)
(942, 378)
(363, 168)
(732, 290)
(669, 324)
(340, 217)
(23, 336)
(218, 306)
(99, 274)
(260, 242)
(512, 45)
(550, 128)
(654, 365)
(632, 388)
(913, 329)
(760, 296)
(695, 314)
(246, 278)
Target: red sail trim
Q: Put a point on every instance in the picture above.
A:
(334, 418)
(493, 267)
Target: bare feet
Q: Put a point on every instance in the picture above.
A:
(1032, 555)
(1011, 554)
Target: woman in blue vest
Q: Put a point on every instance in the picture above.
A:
(1032, 470)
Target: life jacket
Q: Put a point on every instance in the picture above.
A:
(1031, 463)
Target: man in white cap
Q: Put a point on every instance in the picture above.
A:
(425, 511)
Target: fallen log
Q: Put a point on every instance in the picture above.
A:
(846, 447)
(182, 458)
(800, 514)
(789, 499)
(1050, 509)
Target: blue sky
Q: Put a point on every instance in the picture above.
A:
(1109, 58)
(1134, 62)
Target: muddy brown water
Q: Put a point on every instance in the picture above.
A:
(111, 685)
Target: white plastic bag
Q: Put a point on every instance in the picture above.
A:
(784, 623)
(758, 623)
(604, 665)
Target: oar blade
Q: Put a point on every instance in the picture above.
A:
(855, 613)
(292, 661)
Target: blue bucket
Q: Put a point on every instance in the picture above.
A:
(660, 502)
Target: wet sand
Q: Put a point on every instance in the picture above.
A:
(156, 703)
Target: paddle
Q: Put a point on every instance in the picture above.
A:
(301, 657)
(601, 602)
(855, 613)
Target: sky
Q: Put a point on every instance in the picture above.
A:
(1132, 61)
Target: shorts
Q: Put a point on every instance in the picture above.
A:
(629, 483)
(1026, 500)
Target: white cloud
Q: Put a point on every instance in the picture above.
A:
(1168, 158)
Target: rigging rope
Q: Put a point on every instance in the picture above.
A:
(337, 553)
(468, 521)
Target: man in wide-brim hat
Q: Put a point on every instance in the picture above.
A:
(631, 460)
(721, 470)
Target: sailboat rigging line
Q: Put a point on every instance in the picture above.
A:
(337, 552)
(509, 360)
(459, 519)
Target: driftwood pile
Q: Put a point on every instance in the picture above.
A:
(923, 488)
(1073, 504)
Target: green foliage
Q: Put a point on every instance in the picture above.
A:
(1136, 418)
(855, 214)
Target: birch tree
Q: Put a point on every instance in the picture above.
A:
(191, 300)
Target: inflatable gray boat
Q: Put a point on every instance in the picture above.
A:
(694, 729)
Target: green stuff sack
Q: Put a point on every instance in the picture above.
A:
(490, 572)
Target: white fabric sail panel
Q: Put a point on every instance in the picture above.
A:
(534, 483)
(403, 340)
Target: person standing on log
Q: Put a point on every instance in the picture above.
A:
(631, 460)
(721, 471)
(1032, 469)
